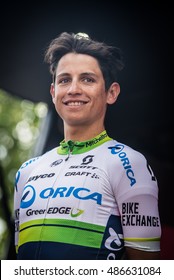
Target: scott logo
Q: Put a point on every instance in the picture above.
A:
(87, 159)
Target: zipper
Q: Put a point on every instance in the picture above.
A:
(70, 148)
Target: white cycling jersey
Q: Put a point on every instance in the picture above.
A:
(86, 200)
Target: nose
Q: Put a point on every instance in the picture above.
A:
(74, 88)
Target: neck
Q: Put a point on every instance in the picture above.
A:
(83, 133)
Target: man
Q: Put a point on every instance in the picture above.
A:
(92, 197)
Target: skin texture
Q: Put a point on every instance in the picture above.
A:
(80, 99)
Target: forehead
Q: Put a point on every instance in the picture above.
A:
(78, 62)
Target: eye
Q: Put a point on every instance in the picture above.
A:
(63, 81)
(88, 80)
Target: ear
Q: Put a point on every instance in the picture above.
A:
(52, 92)
(113, 93)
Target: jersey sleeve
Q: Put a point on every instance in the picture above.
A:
(22, 176)
(137, 198)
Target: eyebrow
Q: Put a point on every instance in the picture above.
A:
(82, 74)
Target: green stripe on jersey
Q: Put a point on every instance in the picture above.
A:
(65, 231)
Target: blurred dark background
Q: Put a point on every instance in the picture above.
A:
(142, 116)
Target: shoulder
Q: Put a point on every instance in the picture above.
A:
(36, 160)
(124, 155)
(130, 164)
(26, 168)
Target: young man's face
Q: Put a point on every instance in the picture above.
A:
(79, 91)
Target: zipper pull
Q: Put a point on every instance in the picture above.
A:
(69, 152)
(70, 148)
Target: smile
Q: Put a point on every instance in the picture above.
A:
(75, 103)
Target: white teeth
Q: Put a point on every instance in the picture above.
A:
(75, 103)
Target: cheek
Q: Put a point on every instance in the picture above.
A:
(57, 103)
(101, 100)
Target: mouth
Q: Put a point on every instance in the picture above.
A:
(75, 103)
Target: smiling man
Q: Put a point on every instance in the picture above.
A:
(80, 96)
(91, 197)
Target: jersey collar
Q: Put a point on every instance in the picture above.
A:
(76, 147)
